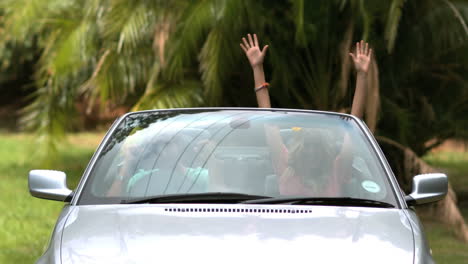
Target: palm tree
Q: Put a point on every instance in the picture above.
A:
(426, 93)
(95, 51)
(156, 54)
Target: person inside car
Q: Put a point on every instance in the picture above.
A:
(309, 165)
(144, 162)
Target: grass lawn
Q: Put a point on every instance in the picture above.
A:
(27, 222)
(455, 165)
(445, 248)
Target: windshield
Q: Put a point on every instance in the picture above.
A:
(260, 153)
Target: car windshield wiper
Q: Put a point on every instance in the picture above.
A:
(211, 197)
(334, 201)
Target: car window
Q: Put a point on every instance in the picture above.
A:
(269, 153)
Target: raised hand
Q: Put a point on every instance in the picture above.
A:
(252, 50)
(362, 57)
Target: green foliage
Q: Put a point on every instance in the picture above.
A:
(446, 249)
(393, 21)
(455, 165)
(423, 79)
(161, 54)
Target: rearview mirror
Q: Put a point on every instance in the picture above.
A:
(427, 188)
(49, 184)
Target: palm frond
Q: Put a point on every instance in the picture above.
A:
(130, 23)
(119, 75)
(298, 13)
(50, 115)
(393, 21)
(397, 122)
(25, 18)
(366, 20)
(73, 50)
(211, 65)
(194, 25)
(458, 15)
(187, 93)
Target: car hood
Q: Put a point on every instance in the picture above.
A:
(235, 234)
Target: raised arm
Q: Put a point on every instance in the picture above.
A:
(344, 159)
(256, 56)
(361, 60)
(272, 133)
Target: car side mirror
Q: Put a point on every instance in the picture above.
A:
(49, 184)
(427, 188)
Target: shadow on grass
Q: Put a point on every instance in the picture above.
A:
(445, 247)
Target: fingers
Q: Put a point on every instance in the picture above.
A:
(243, 48)
(256, 40)
(362, 48)
(250, 40)
(370, 54)
(264, 50)
(246, 44)
(352, 55)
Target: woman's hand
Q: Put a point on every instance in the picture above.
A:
(252, 50)
(256, 56)
(361, 60)
(362, 57)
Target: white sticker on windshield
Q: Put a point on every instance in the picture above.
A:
(370, 186)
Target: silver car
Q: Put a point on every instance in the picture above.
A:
(237, 185)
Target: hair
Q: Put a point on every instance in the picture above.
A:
(299, 164)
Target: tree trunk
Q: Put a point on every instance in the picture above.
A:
(406, 164)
